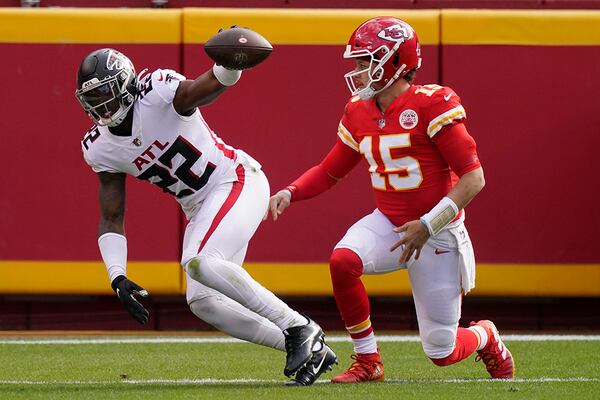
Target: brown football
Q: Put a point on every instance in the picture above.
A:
(238, 48)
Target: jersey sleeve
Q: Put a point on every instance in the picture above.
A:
(443, 109)
(345, 129)
(165, 82)
(96, 164)
(336, 164)
(89, 145)
(458, 149)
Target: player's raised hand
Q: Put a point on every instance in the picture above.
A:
(126, 290)
(415, 237)
(278, 202)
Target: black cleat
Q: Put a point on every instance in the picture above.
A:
(299, 342)
(321, 362)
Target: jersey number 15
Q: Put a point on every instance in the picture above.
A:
(388, 173)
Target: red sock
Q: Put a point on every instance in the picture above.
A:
(350, 294)
(466, 343)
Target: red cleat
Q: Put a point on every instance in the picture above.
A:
(495, 355)
(365, 368)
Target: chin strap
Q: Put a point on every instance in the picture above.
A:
(368, 92)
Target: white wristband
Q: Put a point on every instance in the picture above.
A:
(286, 192)
(440, 216)
(227, 77)
(113, 248)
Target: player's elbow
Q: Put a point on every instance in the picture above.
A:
(474, 181)
(478, 182)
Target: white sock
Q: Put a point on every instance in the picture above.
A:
(232, 318)
(234, 282)
(366, 345)
(479, 331)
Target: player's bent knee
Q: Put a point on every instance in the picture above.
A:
(438, 343)
(345, 262)
(195, 266)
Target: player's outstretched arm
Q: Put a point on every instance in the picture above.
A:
(337, 163)
(113, 244)
(204, 89)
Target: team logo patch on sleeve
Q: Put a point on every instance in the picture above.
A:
(409, 119)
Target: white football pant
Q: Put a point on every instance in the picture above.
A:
(214, 246)
(435, 277)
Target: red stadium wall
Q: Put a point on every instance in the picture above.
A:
(535, 126)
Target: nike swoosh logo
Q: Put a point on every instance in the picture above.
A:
(161, 77)
(447, 97)
(438, 252)
(318, 368)
(309, 338)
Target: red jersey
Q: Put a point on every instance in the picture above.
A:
(410, 172)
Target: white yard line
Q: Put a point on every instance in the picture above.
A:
(212, 381)
(331, 339)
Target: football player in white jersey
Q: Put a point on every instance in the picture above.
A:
(149, 126)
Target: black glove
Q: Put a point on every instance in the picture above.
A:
(125, 290)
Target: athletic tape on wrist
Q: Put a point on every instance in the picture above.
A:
(227, 77)
(286, 192)
(440, 216)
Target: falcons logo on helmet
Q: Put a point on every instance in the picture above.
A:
(396, 33)
(115, 60)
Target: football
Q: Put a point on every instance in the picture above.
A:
(238, 48)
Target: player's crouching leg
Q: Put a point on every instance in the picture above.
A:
(439, 345)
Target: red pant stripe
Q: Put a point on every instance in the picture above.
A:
(236, 190)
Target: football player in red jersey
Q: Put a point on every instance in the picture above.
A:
(424, 170)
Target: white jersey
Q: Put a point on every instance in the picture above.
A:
(180, 154)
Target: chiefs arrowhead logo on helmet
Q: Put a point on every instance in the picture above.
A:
(396, 33)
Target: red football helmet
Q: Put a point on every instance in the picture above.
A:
(391, 45)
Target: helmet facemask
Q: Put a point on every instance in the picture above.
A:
(375, 70)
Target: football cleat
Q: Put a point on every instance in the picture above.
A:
(495, 355)
(299, 342)
(322, 361)
(365, 368)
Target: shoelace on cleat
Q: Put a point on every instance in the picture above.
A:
(361, 367)
(489, 358)
(292, 342)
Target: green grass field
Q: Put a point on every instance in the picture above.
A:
(186, 370)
